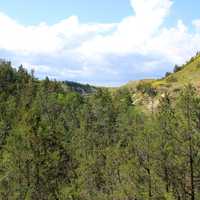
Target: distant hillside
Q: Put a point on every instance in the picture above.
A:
(78, 87)
(182, 75)
(187, 73)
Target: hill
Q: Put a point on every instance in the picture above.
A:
(78, 87)
(185, 74)
(144, 90)
(181, 76)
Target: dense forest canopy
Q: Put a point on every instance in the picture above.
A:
(62, 145)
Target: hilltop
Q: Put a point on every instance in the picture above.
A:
(185, 74)
(173, 81)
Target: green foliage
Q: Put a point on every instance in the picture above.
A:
(146, 88)
(167, 74)
(177, 68)
(56, 144)
(78, 87)
(171, 79)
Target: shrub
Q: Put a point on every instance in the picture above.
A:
(171, 79)
(177, 68)
(168, 74)
(146, 88)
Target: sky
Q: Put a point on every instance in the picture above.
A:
(107, 42)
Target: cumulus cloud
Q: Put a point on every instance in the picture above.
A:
(133, 32)
(139, 46)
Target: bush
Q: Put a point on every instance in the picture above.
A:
(171, 79)
(177, 68)
(168, 74)
(146, 88)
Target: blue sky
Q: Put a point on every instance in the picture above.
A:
(102, 11)
(35, 11)
(107, 42)
(51, 11)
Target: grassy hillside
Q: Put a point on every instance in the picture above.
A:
(143, 90)
(187, 73)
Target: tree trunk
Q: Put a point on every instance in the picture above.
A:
(191, 172)
(149, 175)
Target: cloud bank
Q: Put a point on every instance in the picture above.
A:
(139, 46)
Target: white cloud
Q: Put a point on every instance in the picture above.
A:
(196, 24)
(133, 32)
(101, 53)
(43, 38)
(176, 44)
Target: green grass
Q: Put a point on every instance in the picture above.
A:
(190, 73)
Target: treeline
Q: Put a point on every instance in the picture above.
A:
(83, 89)
(57, 145)
(178, 68)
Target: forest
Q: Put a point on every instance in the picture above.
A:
(57, 144)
